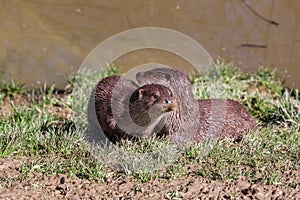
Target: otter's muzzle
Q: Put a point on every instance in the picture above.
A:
(170, 104)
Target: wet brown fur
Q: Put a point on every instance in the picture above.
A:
(124, 110)
(217, 118)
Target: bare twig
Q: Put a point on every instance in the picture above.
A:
(254, 45)
(260, 16)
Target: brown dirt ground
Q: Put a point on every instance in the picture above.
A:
(189, 186)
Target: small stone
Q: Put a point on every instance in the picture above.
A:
(254, 189)
(245, 191)
(260, 196)
(204, 190)
(243, 185)
(277, 192)
(62, 180)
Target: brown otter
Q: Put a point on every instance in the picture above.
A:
(182, 120)
(123, 110)
(216, 117)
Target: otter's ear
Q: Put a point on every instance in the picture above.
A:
(139, 74)
(139, 77)
(168, 76)
(141, 93)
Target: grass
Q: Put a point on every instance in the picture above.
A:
(10, 88)
(49, 143)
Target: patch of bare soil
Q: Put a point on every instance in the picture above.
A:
(189, 186)
(8, 103)
(6, 107)
(61, 112)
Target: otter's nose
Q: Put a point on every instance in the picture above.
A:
(168, 101)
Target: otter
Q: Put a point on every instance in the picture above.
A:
(179, 125)
(195, 120)
(123, 110)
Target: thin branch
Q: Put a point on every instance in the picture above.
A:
(260, 16)
(254, 45)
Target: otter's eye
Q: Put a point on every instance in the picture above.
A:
(155, 96)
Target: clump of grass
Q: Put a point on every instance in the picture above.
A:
(288, 109)
(11, 88)
(262, 153)
(52, 144)
(46, 94)
(139, 157)
(25, 134)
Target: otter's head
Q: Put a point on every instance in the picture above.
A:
(173, 78)
(152, 76)
(151, 101)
